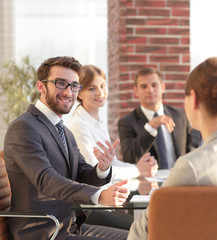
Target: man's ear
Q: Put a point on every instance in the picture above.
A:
(163, 86)
(40, 87)
(194, 99)
(135, 92)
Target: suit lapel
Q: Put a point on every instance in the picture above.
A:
(73, 152)
(44, 120)
(141, 118)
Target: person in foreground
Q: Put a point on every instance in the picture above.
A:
(88, 127)
(47, 173)
(198, 167)
(154, 127)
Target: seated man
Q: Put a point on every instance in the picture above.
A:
(47, 173)
(153, 127)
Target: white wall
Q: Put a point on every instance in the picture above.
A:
(203, 30)
(48, 28)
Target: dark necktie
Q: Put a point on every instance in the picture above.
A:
(59, 126)
(161, 147)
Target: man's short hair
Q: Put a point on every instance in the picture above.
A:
(68, 62)
(145, 72)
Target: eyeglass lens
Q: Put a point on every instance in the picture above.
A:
(63, 85)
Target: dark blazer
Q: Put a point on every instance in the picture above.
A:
(43, 178)
(135, 140)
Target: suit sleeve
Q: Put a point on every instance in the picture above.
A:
(135, 141)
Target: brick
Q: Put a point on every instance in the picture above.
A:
(126, 3)
(127, 49)
(174, 95)
(128, 12)
(179, 49)
(126, 95)
(135, 67)
(186, 59)
(168, 59)
(127, 86)
(163, 40)
(130, 105)
(133, 58)
(178, 85)
(175, 76)
(137, 40)
(175, 68)
(154, 12)
(149, 3)
(178, 3)
(185, 40)
(180, 12)
(179, 31)
(150, 30)
(151, 49)
(184, 22)
(135, 21)
(162, 22)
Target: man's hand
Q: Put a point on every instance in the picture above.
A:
(163, 119)
(115, 195)
(147, 166)
(106, 156)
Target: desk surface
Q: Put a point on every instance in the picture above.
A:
(137, 186)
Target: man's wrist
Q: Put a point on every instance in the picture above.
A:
(150, 129)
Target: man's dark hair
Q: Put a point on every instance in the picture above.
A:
(145, 72)
(68, 62)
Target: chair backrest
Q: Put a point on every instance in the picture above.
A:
(183, 213)
(5, 198)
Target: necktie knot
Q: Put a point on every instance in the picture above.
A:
(156, 114)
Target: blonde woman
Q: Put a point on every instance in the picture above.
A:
(89, 129)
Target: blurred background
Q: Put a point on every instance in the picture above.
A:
(85, 29)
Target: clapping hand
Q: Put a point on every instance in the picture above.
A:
(106, 155)
(147, 166)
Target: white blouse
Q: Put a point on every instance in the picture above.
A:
(88, 131)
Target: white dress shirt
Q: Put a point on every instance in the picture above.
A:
(87, 132)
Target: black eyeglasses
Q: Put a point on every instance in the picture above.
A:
(61, 84)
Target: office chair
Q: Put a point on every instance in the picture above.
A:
(5, 201)
(183, 213)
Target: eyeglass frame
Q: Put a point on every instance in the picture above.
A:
(68, 84)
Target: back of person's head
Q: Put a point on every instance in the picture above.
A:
(203, 80)
(146, 71)
(88, 74)
(68, 62)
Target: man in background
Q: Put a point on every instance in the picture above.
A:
(153, 127)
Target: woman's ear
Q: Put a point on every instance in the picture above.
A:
(194, 99)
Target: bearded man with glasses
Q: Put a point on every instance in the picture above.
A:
(42, 156)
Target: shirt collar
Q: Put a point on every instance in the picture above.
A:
(150, 114)
(48, 112)
(84, 113)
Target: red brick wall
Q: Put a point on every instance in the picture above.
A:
(146, 33)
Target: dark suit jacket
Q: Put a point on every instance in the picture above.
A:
(43, 178)
(135, 140)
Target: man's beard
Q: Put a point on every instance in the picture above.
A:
(55, 106)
